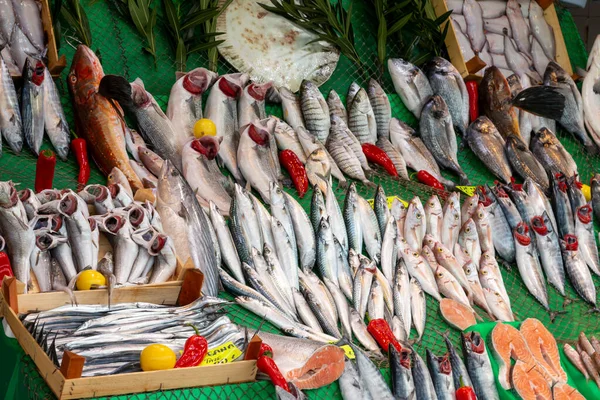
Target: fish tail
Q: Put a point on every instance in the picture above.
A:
(117, 88)
(591, 148)
(554, 314)
(544, 101)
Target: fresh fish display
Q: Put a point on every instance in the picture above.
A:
(10, 116)
(478, 366)
(474, 18)
(551, 154)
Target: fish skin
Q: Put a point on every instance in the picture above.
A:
(551, 153)
(410, 83)
(303, 233)
(251, 103)
(450, 287)
(469, 240)
(382, 108)
(479, 367)
(304, 311)
(549, 251)
(529, 266)
(424, 386)
(382, 211)
(318, 209)
(403, 386)
(459, 369)
(502, 232)
(441, 374)
(361, 118)
(474, 18)
(230, 256)
(402, 297)
(281, 210)
(519, 27)
(476, 289)
(344, 156)
(10, 116)
(371, 377)
(395, 156)
(418, 307)
(539, 202)
(98, 121)
(562, 206)
(494, 100)
(360, 332)
(315, 111)
(318, 165)
(447, 82)
(434, 216)
(287, 139)
(577, 271)
(285, 252)
(487, 143)
(221, 108)
(524, 162)
(79, 232)
(375, 304)
(352, 218)
(336, 107)
(362, 285)
(352, 91)
(389, 251)
(32, 104)
(351, 386)
(584, 230)
(541, 31)
(435, 118)
(415, 225)
(342, 307)
(185, 102)
(371, 233)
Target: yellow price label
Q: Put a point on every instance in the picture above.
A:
(225, 353)
(390, 201)
(468, 190)
(349, 352)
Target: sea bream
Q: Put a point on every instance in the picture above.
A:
(185, 102)
(221, 108)
(410, 83)
(487, 143)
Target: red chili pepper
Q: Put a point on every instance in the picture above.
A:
(465, 392)
(44, 171)
(377, 156)
(194, 351)
(79, 147)
(381, 332)
(429, 180)
(5, 268)
(295, 168)
(265, 350)
(473, 90)
(267, 366)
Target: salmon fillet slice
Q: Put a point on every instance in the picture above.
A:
(543, 348)
(529, 383)
(562, 391)
(457, 314)
(507, 344)
(323, 367)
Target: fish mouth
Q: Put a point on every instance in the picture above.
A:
(405, 359)
(68, 205)
(114, 190)
(521, 234)
(100, 192)
(571, 242)
(196, 82)
(158, 244)
(114, 223)
(229, 88)
(9, 197)
(259, 92)
(445, 366)
(538, 225)
(584, 213)
(50, 195)
(44, 241)
(86, 69)
(476, 342)
(208, 146)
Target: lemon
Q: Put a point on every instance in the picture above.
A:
(90, 278)
(156, 357)
(205, 127)
(587, 192)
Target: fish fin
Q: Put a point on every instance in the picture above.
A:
(544, 101)
(554, 314)
(117, 88)
(567, 301)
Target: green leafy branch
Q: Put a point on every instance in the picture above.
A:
(74, 15)
(330, 23)
(144, 19)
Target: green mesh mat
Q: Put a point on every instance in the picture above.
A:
(120, 49)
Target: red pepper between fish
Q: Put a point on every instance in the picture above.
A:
(267, 366)
(44, 170)
(194, 351)
(381, 332)
(465, 392)
(295, 168)
(377, 156)
(265, 350)
(5, 268)
(473, 90)
(429, 180)
(79, 147)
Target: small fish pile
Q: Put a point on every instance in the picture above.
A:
(413, 378)
(529, 361)
(40, 109)
(112, 338)
(21, 33)
(53, 235)
(553, 237)
(585, 356)
(511, 35)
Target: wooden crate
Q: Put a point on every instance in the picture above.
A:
(468, 68)
(56, 63)
(66, 382)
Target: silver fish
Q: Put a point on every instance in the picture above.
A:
(371, 377)
(264, 221)
(342, 307)
(402, 297)
(352, 221)
(579, 274)
(361, 118)
(351, 385)
(221, 108)
(281, 210)
(441, 374)
(451, 221)
(230, 255)
(382, 211)
(418, 307)
(389, 251)
(336, 107)
(359, 329)
(371, 233)
(304, 311)
(166, 261)
(487, 143)
(468, 238)
(318, 209)
(399, 212)
(285, 252)
(498, 306)
(32, 104)
(326, 254)
(418, 269)
(551, 153)
(538, 201)
(478, 297)
(78, 228)
(519, 27)
(318, 165)
(549, 251)
(478, 366)
(303, 233)
(541, 31)
(292, 112)
(403, 385)
(490, 277)
(381, 108)
(499, 225)
(584, 230)
(410, 83)
(362, 285)
(434, 217)
(251, 104)
(344, 156)
(278, 275)
(315, 111)
(436, 118)
(415, 225)
(335, 215)
(375, 304)
(450, 287)
(423, 383)
(528, 264)
(10, 117)
(145, 176)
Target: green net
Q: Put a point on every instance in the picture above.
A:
(120, 49)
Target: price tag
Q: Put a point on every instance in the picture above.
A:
(468, 190)
(225, 353)
(349, 352)
(390, 201)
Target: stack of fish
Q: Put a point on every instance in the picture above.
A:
(511, 35)
(585, 356)
(412, 378)
(21, 33)
(552, 237)
(40, 108)
(112, 338)
(53, 235)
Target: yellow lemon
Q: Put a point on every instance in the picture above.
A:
(156, 357)
(587, 192)
(205, 127)
(90, 278)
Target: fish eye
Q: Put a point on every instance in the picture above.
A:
(440, 249)
(418, 216)
(415, 254)
(487, 256)
(484, 272)
(468, 270)
(456, 216)
(480, 215)
(73, 78)
(432, 204)
(439, 274)
(467, 230)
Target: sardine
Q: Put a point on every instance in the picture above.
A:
(410, 83)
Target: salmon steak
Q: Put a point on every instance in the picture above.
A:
(562, 391)
(457, 314)
(529, 383)
(306, 363)
(507, 344)
(543, 348)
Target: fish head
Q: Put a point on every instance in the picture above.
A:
(230, 86)
(309, 89)
(140, 97)
(136, 215)
(34, 71)
(545, 137)
(375, 89)
(473, 342)
(480, 214)
(555, 73)
(472, 202)
(539, 226)
(361, 102)
(400, 130)
(258, 134)
(98, 192)
(158, 244)
(470, 270)
(116, 177)
(434, 206)
(337, 124)
(324, 225)
(521, 233)
(114, 223)
(469, 228)
(198, 81)
(68, 204)
(85, 74)
(584, 213)
(26, 195)
(400, 67)
(494, 84)
(514, 83)
(258, 91)
(440, 251)
(9, 196)
(208, 146)
(569, 243)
